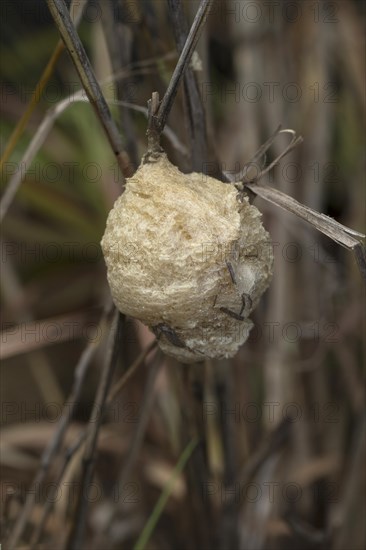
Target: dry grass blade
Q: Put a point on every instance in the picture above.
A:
(42, 133)
(33, 148)
(76, 11)
(13, 342)
(243, 176)
(333, 229)
(296, 140)
(164, 497)
(85, 71)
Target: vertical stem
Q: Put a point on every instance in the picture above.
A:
(77, 531)
(85, 71)
(183, 61)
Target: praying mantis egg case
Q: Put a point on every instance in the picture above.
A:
(188, 256)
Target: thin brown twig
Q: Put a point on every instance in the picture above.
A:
(191, 385)
(47, 507)
(159, 115)
(148, 400)
(153, 132)
(86, 74)
(168, 132)
(194, 107)
(76, 535)
(120, 384)
(118, 41)
(139, 432)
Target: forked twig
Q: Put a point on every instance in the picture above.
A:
(241, 178)
(159, 113)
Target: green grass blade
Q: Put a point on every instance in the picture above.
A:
(164, 497)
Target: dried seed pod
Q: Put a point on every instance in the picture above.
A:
(188, 256)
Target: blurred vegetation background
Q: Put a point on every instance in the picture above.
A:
(281, 458)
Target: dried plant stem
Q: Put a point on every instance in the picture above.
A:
(95, 421)
(160, 112)
(194, 107)
(153, 133)
(85, 71)
(47, 507)
(334, 230)
(147, 402)
(119, 44)
(56, 441)
(224, 395)
(118, 386)
(185, 56)
(138, 435)
(191, 385)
